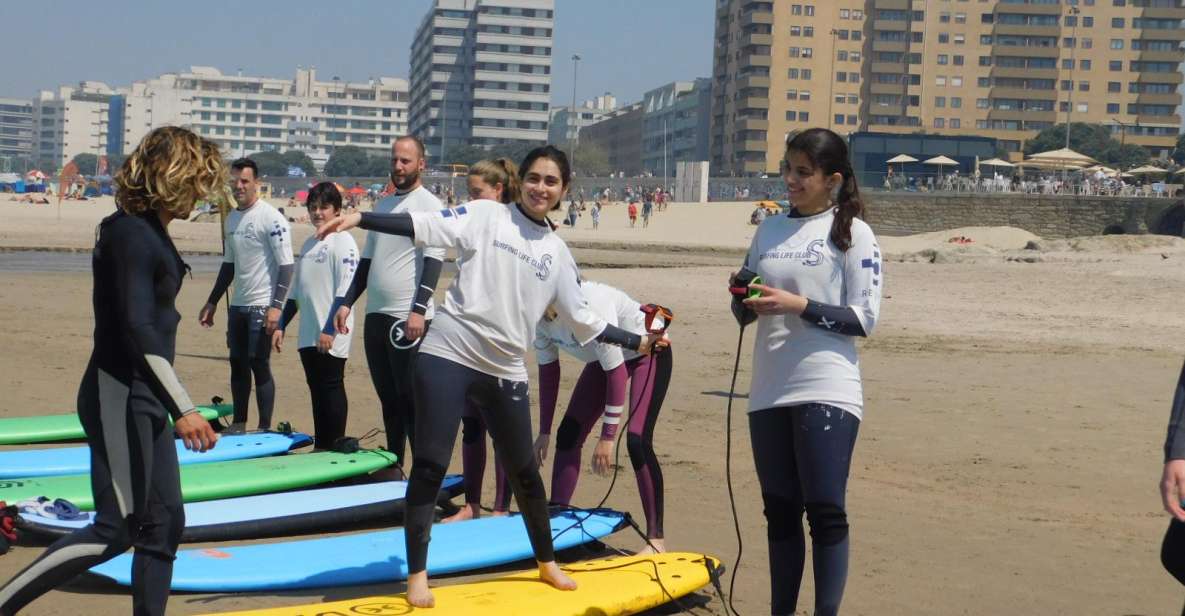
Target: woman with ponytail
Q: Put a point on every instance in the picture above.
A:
(820, 287)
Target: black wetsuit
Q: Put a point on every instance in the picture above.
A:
(1172, 550)
(127, 394)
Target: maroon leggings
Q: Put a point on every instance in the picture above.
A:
(649, 378)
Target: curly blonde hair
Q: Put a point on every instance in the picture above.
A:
(499, 171)
(172, 169)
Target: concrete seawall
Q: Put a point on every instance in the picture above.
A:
(906, 213)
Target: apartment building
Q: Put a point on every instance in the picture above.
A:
(70, 121)
(999, 68)
(620, 135)
(16, 128)
(481, 73)
(565, 123)
(675, 124)
(245, 114)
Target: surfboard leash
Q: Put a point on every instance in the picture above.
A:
(732, 503)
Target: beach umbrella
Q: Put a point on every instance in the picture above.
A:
(36, 175)
(1064, 156)
(996, 162)
(302, 195)
(901, 159)
(357, 190)
(940, 162)
(1147, 170)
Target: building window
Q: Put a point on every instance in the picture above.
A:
(939, 123)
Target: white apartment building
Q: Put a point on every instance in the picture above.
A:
(252, 114)
(70, 121)
(481, 73)
(565, 124)
(16, 129)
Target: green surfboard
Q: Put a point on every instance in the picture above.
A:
(66, 427)
(200, 482)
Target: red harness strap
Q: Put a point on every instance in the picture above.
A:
(655, 310)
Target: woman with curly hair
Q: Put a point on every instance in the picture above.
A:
(129, 392)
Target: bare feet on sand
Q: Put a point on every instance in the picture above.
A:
(471, 511)
(654, 546)
(551, 573)
(500, 513)
(418, 594)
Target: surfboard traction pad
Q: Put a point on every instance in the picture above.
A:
(616, 586)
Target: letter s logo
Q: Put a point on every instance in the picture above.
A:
(544, 269)
(814, 253)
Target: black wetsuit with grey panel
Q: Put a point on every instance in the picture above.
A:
(127, 395)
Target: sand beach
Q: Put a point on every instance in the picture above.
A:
(1017, 391)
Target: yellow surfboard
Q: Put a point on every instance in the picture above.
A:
(608, 587)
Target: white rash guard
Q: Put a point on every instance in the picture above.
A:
(258, 242)
(324, 272)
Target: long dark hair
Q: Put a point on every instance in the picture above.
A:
(828, 152)
(556, 156)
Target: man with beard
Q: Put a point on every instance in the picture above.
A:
(257, 257)
(400, 279)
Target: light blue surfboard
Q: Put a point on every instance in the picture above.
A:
(272, 514)
(366, 558)
(77, 460)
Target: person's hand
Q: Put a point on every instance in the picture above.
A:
(206, 316)
(273, 319)
(324, 342)
(196, 433)
(341, 223)
(542, 442)
(775, 301)
(602, 457)
(414, 328)
(654, 343)
(277, 340)
(1172, 488)
(339, 320)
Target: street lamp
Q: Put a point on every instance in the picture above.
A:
(831, 81)
(573, 115)
(333, 133)
(1122, 131)
(1073, 49)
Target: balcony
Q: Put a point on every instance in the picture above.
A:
(752, 103)
(890, 46)
(1163, 13)
(1151, 120)
(751, 124)
(755, 60)
(1161, 56)
(886, 88)
(1173, 99)
(1026, 52)
(752, 81)
(756, 17)
(892, 68)
(892, 5)
(890, 25)
(1028, 9)
(1024, 73)
(1026, 30)
(757, 39)
(1023, 93)
(1022, 115)
(1171, 78)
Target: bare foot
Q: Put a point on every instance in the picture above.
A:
(655, 546)
(551, 573)
(500, 513)
(471, 511)
(418, 594)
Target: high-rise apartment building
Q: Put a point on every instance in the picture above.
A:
(71, 121)
(481, 73)
(675, 124)
(619, 134)
(246, 114)
(999, 68)
(16, 129)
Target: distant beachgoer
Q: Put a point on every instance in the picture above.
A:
(633, 212)
(595, 214)
(806, 400)
(129, 390)
(647, 210)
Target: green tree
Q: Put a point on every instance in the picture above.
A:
(1093, 140)
(465, 154)
(348, 160)
(377, 167)
(296, 158)
(270, 163)
(590, 159)
(1179, 151)
(87, 163)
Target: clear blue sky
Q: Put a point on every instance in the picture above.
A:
(626, 46)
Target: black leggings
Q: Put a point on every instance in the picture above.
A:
(250, 355)
(803, 454)
(136, 484)
(442, 388)
(325, 375)
(390, 357)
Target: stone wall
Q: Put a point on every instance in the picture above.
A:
(905, 213)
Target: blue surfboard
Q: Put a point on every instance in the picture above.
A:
(19, 464)
(366, 558)
(282, 513)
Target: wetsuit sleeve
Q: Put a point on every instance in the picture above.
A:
(615, 385)
(289, 313)
(549, 393)
(1174, 442)
(279, 241)
(863, 281)
(613, 334)
(346, 268)
(226, 273)
(358, 284)
(136, 293)
(429, 276)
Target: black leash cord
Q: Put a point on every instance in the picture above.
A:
(728, 472)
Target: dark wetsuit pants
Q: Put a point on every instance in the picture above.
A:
(442, 388)
(325, 375)
(250, 356)
(803, 454)
(390, 356)
(136, 484)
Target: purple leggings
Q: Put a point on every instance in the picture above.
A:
(649, 377)
(473, 461)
